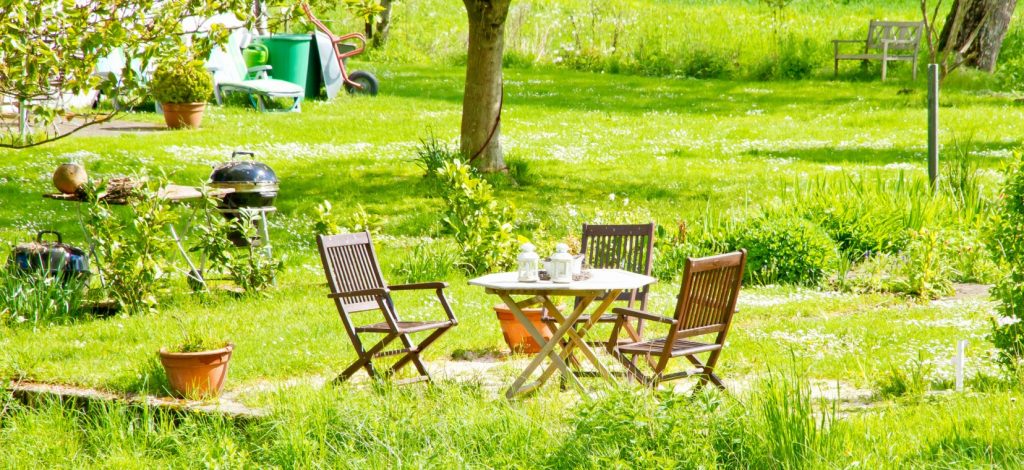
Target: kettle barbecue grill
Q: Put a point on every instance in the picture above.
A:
(255, 187)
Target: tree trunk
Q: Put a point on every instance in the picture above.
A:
(481, 103)
(368, 30)
(383, 24)
(993, 19)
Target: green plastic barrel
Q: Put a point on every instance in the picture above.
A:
(289, 57)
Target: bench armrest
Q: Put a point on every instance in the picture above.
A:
(377, 292)
(644, 315)
(419, 286)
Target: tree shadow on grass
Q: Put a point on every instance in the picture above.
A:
(878, 156)
(640, 94)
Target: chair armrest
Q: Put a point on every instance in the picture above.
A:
(644, 315)
(258, 71)
(419, 286)
(260, 68)
(376, 292)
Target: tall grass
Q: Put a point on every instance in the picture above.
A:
(731, 38)
(776, 425)
(35, 300)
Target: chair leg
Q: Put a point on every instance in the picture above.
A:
(707, 370)
(885, 66)
(415, 356)
(365, 359)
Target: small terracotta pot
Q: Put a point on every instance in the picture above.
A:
(198, 374)
(178, 115)
(516, 336)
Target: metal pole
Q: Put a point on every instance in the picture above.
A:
(933, 124)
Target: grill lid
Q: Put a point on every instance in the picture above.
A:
(244, 171)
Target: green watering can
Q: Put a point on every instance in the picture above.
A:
(255, 54)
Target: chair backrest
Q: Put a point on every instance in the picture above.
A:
(626, 247)
(351, 265)
(226, 61)
(707, 298)
(905, 35)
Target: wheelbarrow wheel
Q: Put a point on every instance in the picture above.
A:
(365, 79)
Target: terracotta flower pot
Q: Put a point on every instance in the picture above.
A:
(178, 115)
(197, 374)
(518, 339)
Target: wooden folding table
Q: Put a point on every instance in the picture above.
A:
(604, 285)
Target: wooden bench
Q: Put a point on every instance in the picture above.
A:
(887, 41)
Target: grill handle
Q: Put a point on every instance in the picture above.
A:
(251, 154)
(39, 236)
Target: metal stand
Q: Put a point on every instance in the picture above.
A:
(196, 275)
(933, 124)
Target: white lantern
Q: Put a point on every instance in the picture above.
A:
(528, 261)
(560, 267)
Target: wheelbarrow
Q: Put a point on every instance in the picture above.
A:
(359, 81)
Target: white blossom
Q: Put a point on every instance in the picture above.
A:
(1007, 321)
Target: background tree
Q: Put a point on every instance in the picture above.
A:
(482, 100)
(991, 19)
(50, 49)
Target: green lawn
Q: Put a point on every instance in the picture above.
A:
(670, 150)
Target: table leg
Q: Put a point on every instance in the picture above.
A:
(546, 351)
(576, 337)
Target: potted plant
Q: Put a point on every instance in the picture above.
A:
(198, 367)
(182, 88)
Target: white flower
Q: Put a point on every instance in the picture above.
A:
(611, 197)
(1007, 321)
(572, 212)
(20, 319)
(625, 202)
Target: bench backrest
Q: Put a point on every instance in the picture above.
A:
(901, 35)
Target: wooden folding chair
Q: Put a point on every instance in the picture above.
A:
(706, 304)
(357, 285)
(626, 247)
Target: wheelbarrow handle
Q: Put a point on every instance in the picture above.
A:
(39, 235)
(250, 153)
(358, 50)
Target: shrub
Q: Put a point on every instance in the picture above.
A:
(1008, 248)
(133, 246)
(703, 62)
(796, 59)
(783, 249)
(432, 154)
(181, 81)
(482, 225)
(926, 275)
(324, 221)
(254, 271)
